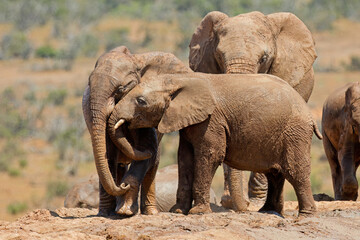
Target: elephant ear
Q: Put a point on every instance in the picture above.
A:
(191, 102)
(295, 48)
(202, 47)
(351, 95)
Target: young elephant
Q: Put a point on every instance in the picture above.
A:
(231, 119)
(340, 126)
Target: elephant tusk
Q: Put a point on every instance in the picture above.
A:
(119, 123)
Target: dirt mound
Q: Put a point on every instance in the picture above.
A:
(335, 220)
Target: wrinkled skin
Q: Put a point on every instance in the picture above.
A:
(114, 75)
(340, 127)
(228, 118)
(86, 194)
(279, 44)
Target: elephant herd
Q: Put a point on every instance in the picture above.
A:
(242, 103)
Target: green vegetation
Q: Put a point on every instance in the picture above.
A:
(57, 189)
(354, 64)
(74, 21)
(17, 207)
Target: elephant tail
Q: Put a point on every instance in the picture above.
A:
(316, 130)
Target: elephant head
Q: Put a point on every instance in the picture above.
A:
(278, 44)
(115, 74)
(168, 103)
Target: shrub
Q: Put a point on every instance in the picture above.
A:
(46, 52)
(15, 45)
(87, 45)
(115, 38)
(57, 97)
(14, 172)
(57, 189)
(17, 207)
(354, 64)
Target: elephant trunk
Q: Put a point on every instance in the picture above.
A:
(98, 139)
(240, 66)
(238, 189)
(119, 139)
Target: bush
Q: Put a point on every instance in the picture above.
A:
(57, 97)
(88, 45)
(354, 64)
(57, 189)
(17, 207)
(115, 38)
(15, 45)
(46, 52)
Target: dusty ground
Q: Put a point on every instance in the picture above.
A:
(334, 220)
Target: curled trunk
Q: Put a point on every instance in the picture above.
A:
(240, 66)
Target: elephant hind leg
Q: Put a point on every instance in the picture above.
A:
(274, 199)
(335, 167)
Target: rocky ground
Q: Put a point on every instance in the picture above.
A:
(333, 220)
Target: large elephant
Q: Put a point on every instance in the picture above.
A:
(340, 127)
(254, 122)
(115, 74)
(279, 44)
(85, 194)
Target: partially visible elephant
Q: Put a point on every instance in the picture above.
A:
(254, 122)
(86, 193)
(340, 128)
(115, 74)
(279, 44)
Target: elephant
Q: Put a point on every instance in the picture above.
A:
(85, 194)
(340, 128)
(279, 44)
(227, 118)
(115, 74)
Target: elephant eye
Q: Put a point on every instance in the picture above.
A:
(141, 101)
(263, 58)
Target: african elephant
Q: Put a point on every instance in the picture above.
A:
(114, 75)
(85, 194)
(340, 128)
(279, 44)
(228, 118)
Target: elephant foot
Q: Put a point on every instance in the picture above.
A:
(179, 209)
(270, 209)
(307, 212)
(106, 212)
(150, 210)
(226, 201)
(200, 209)
(127, 205)
(349, 190)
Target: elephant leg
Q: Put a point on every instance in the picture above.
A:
(186, 174)
(226, 201)
(148, 196)
(335, 168)
(107, 202)
(257, 186)
(209, 153)
(238, 189)
(275, 199)
(127, 204)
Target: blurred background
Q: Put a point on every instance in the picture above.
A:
(48, 49)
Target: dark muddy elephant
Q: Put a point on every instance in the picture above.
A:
(279, 44)
(253, 122)
(115, 74)
(85, 194)
(340, 127)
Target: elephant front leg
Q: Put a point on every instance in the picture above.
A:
(107, 203)
(148, 195)
(186, 174)
(209, 154)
